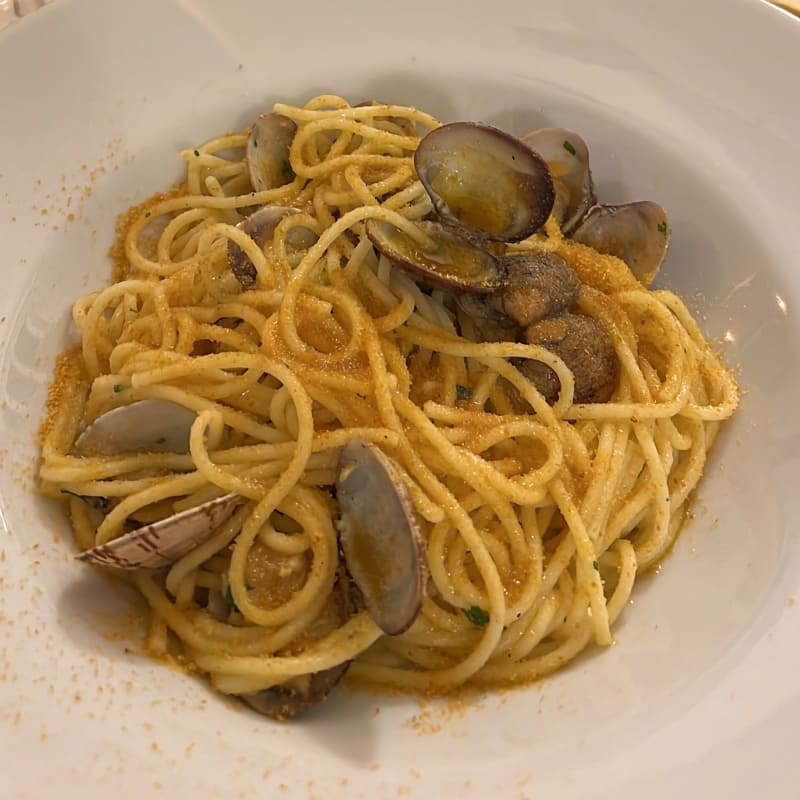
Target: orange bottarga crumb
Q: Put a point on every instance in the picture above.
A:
(120, 265)
(67, 374)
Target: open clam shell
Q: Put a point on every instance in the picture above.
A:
(638, 233)
(485, 179)
(259, 226)
(267, 151)
(567, 156)
(162, 543)
(380, 536)
(154, 426)
(453, 263)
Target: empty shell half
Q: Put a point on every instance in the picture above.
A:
(567, 156)
(150, 426)
(485, 179)
(162, 543)
(380, 536)
(452, 262)
(259, 226)
(267, 151)
(638, 233)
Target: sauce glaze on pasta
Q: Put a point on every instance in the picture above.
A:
(538, 518)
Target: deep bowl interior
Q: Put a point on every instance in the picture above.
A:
(68, 633)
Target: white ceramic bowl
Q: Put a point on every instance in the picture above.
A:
(691, 104)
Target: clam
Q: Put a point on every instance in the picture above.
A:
(151, 426)
(538, 284)
(155, 426)
(583, 344)
(486, 180)
(567, 156)
(259, 226)
(481, 313)
(380, 536)
(288, 700)
(161, 543)
(299, 694)
(453, 262)
(638, 233)
(267, 151)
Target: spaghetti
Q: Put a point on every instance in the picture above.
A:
(538, 517)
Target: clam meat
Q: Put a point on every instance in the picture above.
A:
(584, 345)
(536, 284)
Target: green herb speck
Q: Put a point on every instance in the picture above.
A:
(477, 616)
(596, 565)
(569, 147)
(463, 392)
(662, 227)
(118, 387)
(197, 153)
(229, 599)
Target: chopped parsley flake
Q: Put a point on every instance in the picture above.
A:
(569, 147)
(463, 392)
(477, 616)
(197, 153)
(229, 599)
(596, 565)
(662, 227)
(118, 387)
